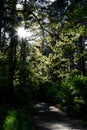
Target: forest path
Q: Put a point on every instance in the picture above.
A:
(51, 118)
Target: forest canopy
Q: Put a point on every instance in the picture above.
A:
(43, 49)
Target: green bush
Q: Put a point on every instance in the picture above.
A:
(74, 91)
(80, 83)
(18, 120)
(11, 122)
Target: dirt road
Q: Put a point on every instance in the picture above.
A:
(51, 118)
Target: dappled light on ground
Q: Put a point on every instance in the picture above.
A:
(52, 118)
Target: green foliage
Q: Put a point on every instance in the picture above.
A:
(3, 79)
(49, 69)
(10, 122)
(3, 112)
(17, 120)
(74, 89)
(81, 85)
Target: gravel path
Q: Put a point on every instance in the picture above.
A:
(51, 118)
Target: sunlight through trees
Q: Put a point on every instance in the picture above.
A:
(43, 55)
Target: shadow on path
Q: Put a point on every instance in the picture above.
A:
(51, 118)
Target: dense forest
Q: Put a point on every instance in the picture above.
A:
(43, 57)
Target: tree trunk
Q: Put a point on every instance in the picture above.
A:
(81, 63)
(1, 19)
(12, 55)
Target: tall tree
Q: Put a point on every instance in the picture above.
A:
(1, 21)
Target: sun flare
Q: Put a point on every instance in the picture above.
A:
(24, 33)
(21, 32)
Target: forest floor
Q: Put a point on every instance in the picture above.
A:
(52, 118)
